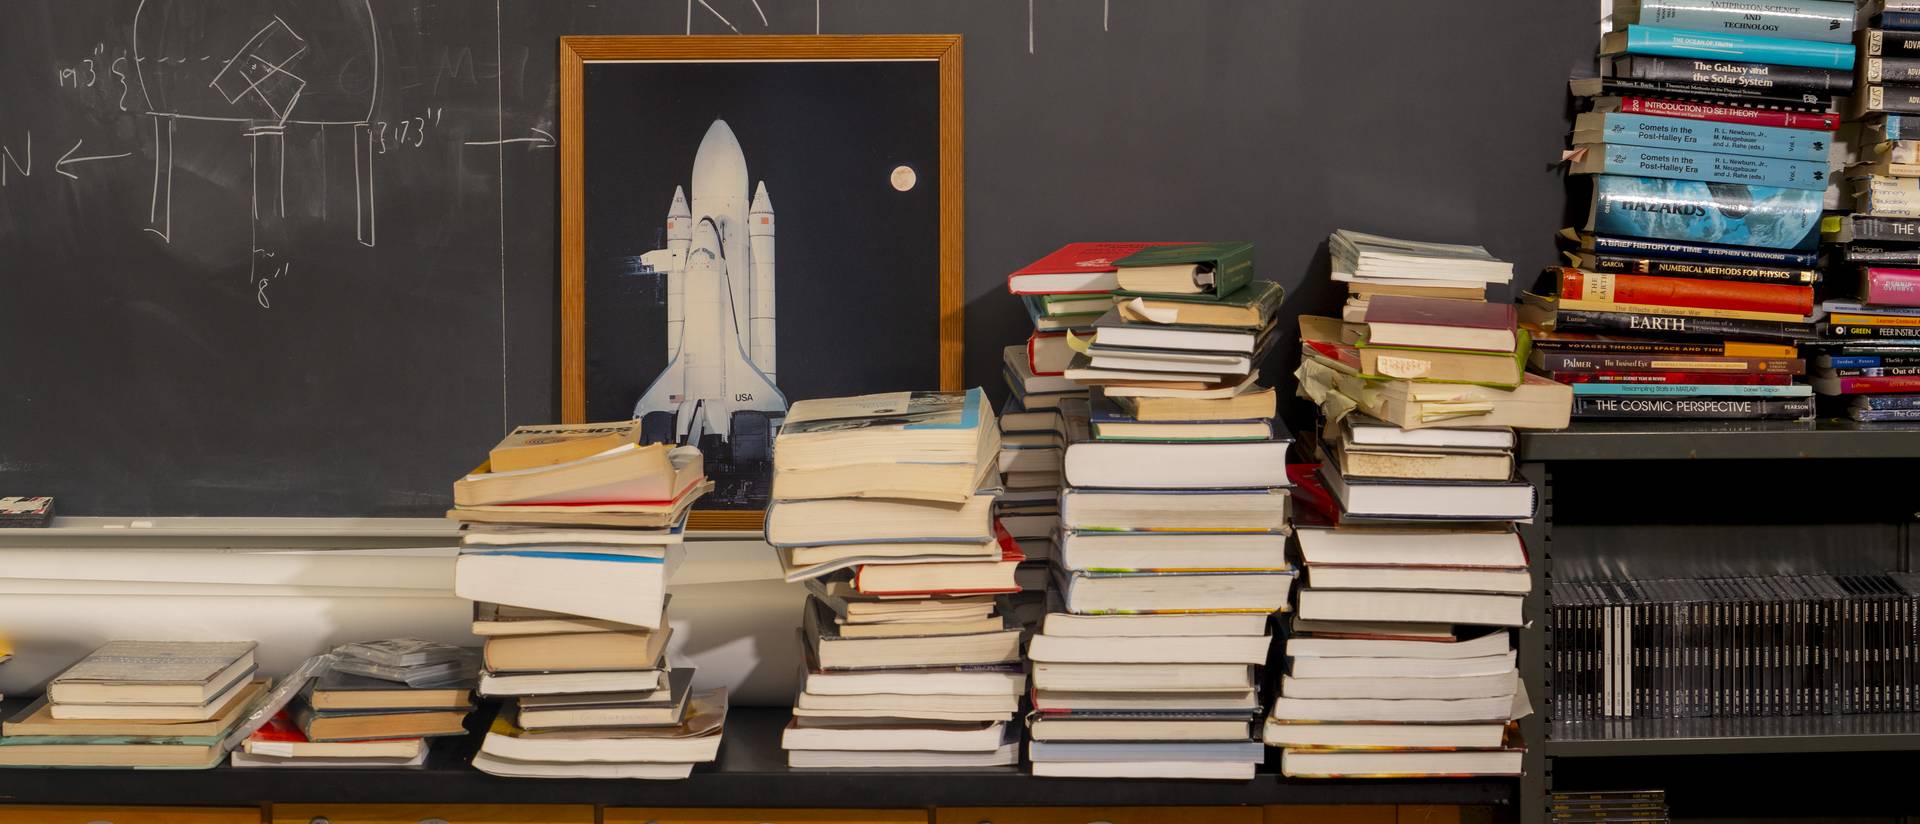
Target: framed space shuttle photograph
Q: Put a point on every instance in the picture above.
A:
(750, 221)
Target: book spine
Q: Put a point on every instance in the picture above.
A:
(1869, 361)
(1900, 70)
(1889, 402)
(1688, 378)
(1727, 76)
(1901, 21)
(1870, 386)
(1856, 253)
(1874, 98)
(1726, 138)
(1662, 107)
(1882, 229)
(1678, 164)
(1885, 43)
(1877, 372)
(1872, 331)
(1565, 362)
(1664, 42)
(1689, 211)
(1827, 21)
(1890, 287)
(1632, 246)
(1655, 290)
(1616, 264)
(1887, 128)
(1886, 196)
(1884, 414)
(1634, 323)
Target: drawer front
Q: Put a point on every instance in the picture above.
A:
(1331, 814)
(129, 815)
(617, 815)
(1099, 815)
(433, 814)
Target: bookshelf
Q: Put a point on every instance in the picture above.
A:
(1705, 498)
(751, 772)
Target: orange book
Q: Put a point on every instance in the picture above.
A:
(1660, 290)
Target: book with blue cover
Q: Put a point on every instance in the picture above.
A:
(1666, 42)
(1626, 129)
(1692, 211)
(1707, 252)
(1682, 164)
(1824, 20)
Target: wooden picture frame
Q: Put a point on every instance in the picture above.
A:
(577, 53)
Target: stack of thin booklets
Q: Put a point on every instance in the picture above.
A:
(1710, 150)
(141, 704)
(572, 532)
(1172, 543)
(1033, 447)
(375, 707)
(1400, 661)
(883, 505)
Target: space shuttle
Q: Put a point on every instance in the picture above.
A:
(719, 379)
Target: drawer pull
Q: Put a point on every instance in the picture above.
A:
(433, 821)
(319, 819)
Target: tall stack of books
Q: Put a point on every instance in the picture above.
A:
(884, 505)
(571, 534)
(165, 704)
(375, 706)
(1172, 543)
(1869, 353)
(1710, 145)
(1400, 660)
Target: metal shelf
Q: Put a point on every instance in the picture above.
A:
(1890, 732)
(751, 772)
(1721, 440)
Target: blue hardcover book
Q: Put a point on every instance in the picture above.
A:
(1797, 390)
(1829, 21)
(1897, 20)
(1731, 214)
(1643, 247)
(1886, 402)
(1664, 42)
(1883, 414)
(1893, 127)
(1620, 128)
(1683, 164)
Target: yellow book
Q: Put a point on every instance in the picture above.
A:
(1852, 319)
(529, 447)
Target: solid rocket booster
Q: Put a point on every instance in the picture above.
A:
(679, 235)
(761, 313)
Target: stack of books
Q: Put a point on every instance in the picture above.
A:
(1172, 534)
(883, 505)
(571, 535)
(1064, 293)
(1869, 353)
(1373, 265)
(1711, 154)
(376, 708)
(1400, 661)
(1033, 447)
(154, 704)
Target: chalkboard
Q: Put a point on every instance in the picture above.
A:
(297, 257)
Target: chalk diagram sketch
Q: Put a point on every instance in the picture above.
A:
(257, 71)
(717, 390)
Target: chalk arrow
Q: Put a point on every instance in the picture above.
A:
(544, 141)
(68, 159)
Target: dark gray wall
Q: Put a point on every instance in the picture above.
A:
(154, 385)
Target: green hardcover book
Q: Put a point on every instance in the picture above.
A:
(1205, 271)
(1250, 307)
(1500, 370)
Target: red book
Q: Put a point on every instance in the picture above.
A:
(1824, 122)
(1076, 268)
(1048, 353)
(1867, 386)
(1660, 290)
(1439, 323)
(1890, 287)
(1703, 378)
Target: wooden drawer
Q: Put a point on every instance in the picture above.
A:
(432, 814)
(1331, 814)
(616, 815)
(129, 815)
(1099, 815)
